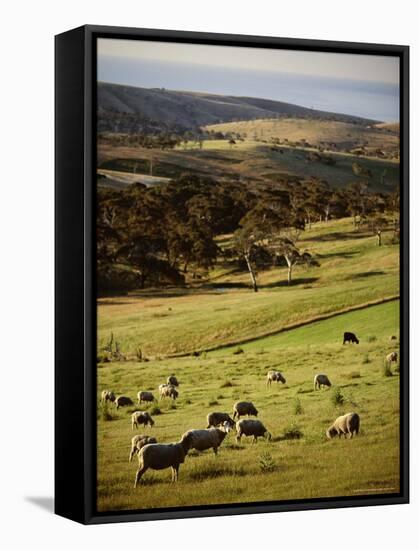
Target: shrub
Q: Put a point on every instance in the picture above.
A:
(337, 397)
(227, 384)
(107, 415)
(188, 402)
(293, 432)
(266, 463)
(297, 407)
(212, 403)
(237, 351)
(387, 369)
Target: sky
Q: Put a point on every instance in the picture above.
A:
(360, 85)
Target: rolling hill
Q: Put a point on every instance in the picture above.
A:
(129, 109)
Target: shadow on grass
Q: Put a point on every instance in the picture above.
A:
(365, 274)
(338, 236)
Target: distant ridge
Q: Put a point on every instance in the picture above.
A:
(130, 109)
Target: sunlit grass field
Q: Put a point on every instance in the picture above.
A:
(353, 271)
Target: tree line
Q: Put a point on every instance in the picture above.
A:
(156, 236)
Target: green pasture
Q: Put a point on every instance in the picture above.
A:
(299, 462)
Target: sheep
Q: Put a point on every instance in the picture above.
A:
(159, 456)
(274, 376)
(214, 419)
(123, 401)
(241, 408)
(138, 442)
(346, 424)
(172, 380)
(321, 380)
(139, 417)
(166, 390)
(251, 427)
(350, 337)
(209, 438)
(146, 396)
(392, 357)
(107, 396)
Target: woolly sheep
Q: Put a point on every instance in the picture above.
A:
(253, 428)
(139, 417)
(321, 380)
(215, 419)
(107, 396)
(172, 380)
(242, 408)
(392, 357)
(166, 390)
(123, 401)
(159, 456)
(346, 424)
(274, 376)
(138, 442)
(209, 438)
(146, 396)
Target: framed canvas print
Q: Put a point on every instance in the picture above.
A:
(231, 274)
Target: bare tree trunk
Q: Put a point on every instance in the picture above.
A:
(251, 273)
(289, 277)
(379, 237)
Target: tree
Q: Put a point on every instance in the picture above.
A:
(377, 223)
(261, 227)
(288, 249)
(231, 142)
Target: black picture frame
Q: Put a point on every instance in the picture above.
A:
(75, 305)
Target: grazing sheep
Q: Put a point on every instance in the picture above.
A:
(274, 376)
(123, 401)
(392, 357)
(242, 408)
(172, 380)
(139, 417)
(209, 438)
(146, 396)
(350, 337)
(159, 456)
(166, 390)
(321, 380)
(346, 424)
(215, 419)
(138, 442)
(251, 427)
(107, 396)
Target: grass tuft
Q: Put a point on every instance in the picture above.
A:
(297, 407)
(337, 397)
(266, 463)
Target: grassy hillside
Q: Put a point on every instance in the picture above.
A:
(344, 135)
(250, 160)
(223, 309)
(284, 468)
(299, 462)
